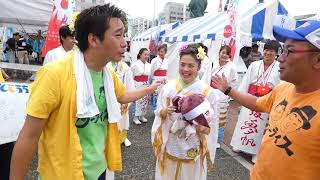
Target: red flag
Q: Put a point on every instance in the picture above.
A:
(61, 15)
(220, 6)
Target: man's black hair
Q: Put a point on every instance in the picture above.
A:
(95, 20)
(64, 32)
(255, 45)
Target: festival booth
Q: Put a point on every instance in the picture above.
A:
(143, 39)
(255, 24)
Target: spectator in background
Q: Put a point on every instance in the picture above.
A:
(127, 57)
(11, 47)
(22, 51)
(255, 55)
(37, 46)
(244, 54)
(67, 42)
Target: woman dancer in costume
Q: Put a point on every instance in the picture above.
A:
(141, 72)
(178, 156)
(226, 67)
(159, 67)
(262, 76)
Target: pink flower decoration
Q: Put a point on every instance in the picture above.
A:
(183, 47)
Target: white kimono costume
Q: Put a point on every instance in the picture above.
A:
(124, 73)
(178, 158)
(205, 65)
(141, 74)
(159, 70)
(230, 72)
(55, 54)
(250, 126)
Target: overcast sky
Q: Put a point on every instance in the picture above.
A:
(145, 8)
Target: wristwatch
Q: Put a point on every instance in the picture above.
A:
(227, 91)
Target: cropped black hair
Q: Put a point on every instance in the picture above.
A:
(64, 32)
(95, 20)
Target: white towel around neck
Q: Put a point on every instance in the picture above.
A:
(86, 104)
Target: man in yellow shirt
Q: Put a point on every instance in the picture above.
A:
(71, 146)
(290, 148)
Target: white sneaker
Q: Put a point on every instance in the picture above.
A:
(136, 121)
(218, 146)
(254, 158)
(143, 119)
(127, 142)
(235, 150)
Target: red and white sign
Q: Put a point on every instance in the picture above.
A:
(230, 30)
(227, 31)
(61, 15)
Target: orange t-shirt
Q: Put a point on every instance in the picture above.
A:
(290, 148)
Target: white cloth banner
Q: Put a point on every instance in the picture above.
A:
(13, 99)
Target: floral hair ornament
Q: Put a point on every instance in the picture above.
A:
(183, 47)
(201, 53)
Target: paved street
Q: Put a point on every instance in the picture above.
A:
(139, 163)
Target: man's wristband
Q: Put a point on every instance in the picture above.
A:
(227, 91)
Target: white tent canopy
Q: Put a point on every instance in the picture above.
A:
(22, 15)
(143, 39)
(256, 23)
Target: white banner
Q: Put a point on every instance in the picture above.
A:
(232, 29)
(13, 98)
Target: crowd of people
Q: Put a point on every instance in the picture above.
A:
(20, 49)
(78, 130)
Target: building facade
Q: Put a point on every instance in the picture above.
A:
(173, 12)
(138, 25)
(84, 4)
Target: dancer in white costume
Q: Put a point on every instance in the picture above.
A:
(159, 67)
(141, 73)
(124, 73)
(67, 42)
(226, 67)
(177, 157)
(261, 78)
